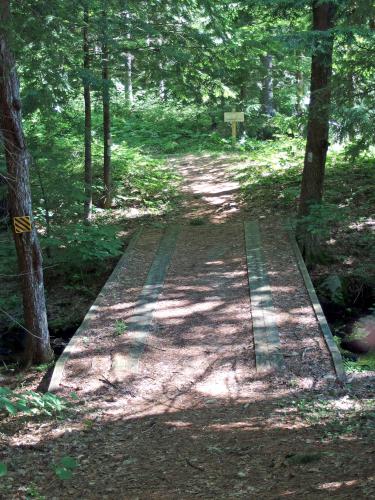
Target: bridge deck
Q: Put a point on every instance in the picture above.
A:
(195, 311)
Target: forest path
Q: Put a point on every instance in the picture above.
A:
(179, 304)
(211, 194)
(174, 406)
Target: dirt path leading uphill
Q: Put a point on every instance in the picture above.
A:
(170, 402)
(210, 193)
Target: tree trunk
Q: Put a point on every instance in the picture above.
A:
(107, 199)
(162, 86)
(162, 89)
(267, 87)
(243, 95)
(29, 257)
(87, 214)
(318, 125)
(129, 66)
(300, 91)
(129, 79)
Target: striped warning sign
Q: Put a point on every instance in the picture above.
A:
(22, 224)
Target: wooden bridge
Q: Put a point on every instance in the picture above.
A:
(213, 309)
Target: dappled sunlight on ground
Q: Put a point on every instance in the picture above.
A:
(210, 193)
(256, 449)
(192, 417)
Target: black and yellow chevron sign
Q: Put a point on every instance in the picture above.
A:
(22, 224)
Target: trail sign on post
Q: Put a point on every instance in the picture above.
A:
(233, 117)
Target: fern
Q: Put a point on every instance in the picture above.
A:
(30, 402)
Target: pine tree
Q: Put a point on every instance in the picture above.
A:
(29, 256)
(318, 124)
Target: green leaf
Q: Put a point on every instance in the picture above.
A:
(63, 473)
(12, 409)
(3, 469)
(69, 462)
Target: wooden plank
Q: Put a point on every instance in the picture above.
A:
(140, 324)
(324, 326)
(268, 353)
(58, 370)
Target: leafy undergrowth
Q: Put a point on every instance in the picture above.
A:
(363, 364)
(78, 258)
(173, 128)
(29, 406)
(30, 402)
(270, 175)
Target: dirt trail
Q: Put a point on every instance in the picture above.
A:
(210, 193)
(192, 418)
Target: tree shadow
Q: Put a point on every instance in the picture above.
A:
(302, 444)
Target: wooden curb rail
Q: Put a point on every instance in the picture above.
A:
(267, 346)
(58, 371)
(324, 326)
(140, 324)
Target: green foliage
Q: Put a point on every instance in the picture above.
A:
(364, 363)
(270, 174)
(31, 402)
(332, 288)
(323, 217)
(337, 416)
(208, 58)
(3, 469)
(32, 491)
(79, 244)
(65, 467)
(120, 327)
(172, 128)
(143, 181)
(44, 367)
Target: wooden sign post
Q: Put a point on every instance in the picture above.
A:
(233, 117)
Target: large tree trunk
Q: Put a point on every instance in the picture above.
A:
(38, 348)
(318, 125)
(107, 199)
(87, 98)
(267, 87)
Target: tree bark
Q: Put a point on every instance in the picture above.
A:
(29, 256)
(243, 94)
(107, 174)
(267, 87)
(129, 78)
(318, 125)
(87, 214)
(129, 66)
(299, 87)
(162, 86)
